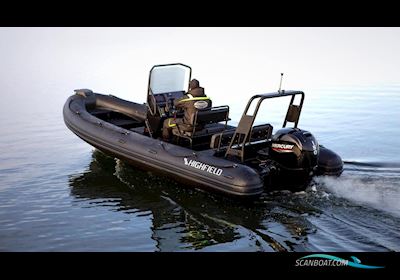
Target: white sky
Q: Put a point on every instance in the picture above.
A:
(229, 62)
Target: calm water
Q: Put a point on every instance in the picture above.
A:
(59, 194)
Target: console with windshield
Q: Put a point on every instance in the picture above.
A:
(167, 82)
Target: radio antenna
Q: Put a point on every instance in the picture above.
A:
(280, 84)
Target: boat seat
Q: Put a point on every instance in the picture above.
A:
(258, 133)
(205, 123)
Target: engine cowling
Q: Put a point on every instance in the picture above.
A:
(294, 148)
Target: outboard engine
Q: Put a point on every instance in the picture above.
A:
(294, 148)
(295, 156)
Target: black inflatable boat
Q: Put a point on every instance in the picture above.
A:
(239, 161)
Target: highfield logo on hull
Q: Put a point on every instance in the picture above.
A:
(203, 166)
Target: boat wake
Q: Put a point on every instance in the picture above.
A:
(372, 184)
(349, 213)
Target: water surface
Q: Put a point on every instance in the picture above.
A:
(57, 193)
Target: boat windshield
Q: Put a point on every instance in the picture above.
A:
(169, 78)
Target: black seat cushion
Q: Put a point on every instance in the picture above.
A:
(208, 130)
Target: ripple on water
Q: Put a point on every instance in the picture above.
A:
(59, 194)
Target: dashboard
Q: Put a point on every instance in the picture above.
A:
(164, 100)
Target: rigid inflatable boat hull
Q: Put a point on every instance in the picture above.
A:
(199, 169)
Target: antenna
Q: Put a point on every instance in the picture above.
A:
(280, 84)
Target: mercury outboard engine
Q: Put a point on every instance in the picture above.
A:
(294, 153)
(294, 148)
